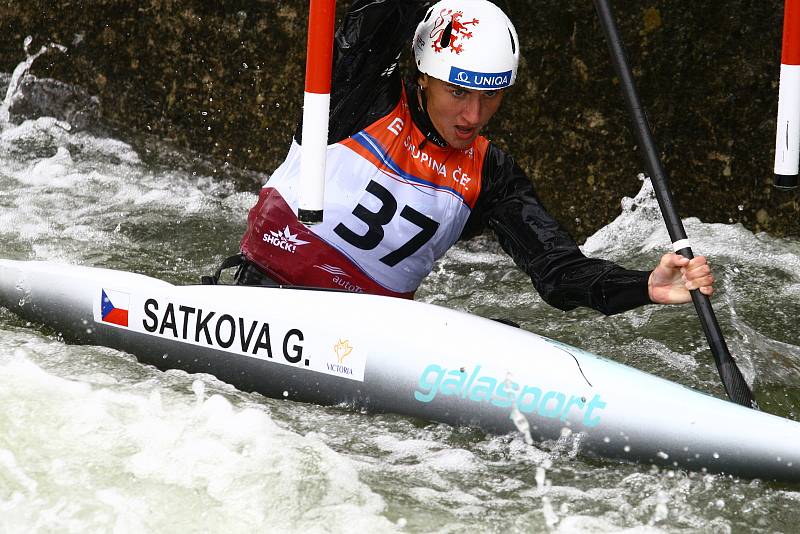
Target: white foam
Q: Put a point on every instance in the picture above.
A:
(81, 200)
(54, 171)
(639, 229)
(141, 464)
(639, 226)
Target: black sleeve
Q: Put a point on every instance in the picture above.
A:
(366, 81)
(562, 275)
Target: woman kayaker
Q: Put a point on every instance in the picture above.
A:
(408, 173)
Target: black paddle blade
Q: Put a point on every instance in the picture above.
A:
(735, 384)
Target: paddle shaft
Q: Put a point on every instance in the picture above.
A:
(735, 385)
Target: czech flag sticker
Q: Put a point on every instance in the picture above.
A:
(114, 307)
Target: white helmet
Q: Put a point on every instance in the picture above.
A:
(470, 43)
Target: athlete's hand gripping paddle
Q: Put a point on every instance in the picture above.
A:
(735, 384)
(316, 107)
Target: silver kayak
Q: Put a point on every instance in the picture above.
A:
(393, 355)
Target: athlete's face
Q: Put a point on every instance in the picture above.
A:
(458, 114)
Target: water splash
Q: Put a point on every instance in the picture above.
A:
(521, 422)
(518, 418)
(19, 73)
(199, 390)
(24, 288)
(638, 226)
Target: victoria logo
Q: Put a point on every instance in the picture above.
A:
(284, 240)
(342, 350)
(449, 35)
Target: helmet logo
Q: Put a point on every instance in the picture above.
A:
(446, 33)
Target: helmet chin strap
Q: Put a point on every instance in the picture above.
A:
(423, 120)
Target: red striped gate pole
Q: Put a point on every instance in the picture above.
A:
(316, 107)
(787, 138)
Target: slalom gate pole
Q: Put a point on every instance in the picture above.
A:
(787, 136)
(316, 107)
(735, 385)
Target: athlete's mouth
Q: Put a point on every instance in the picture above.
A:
(464, 132)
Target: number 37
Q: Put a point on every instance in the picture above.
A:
(375, 222)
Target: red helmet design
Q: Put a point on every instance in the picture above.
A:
(452, 32)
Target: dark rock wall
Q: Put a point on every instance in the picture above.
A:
(225, 78)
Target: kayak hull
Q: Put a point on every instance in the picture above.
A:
(405, 357)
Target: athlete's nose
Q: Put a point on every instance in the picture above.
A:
(471, 113)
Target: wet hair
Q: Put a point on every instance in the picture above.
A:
(416, 74)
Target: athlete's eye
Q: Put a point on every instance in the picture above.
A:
(491, 94)
(458, 91)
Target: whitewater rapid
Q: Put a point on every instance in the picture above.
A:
(92, 441)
